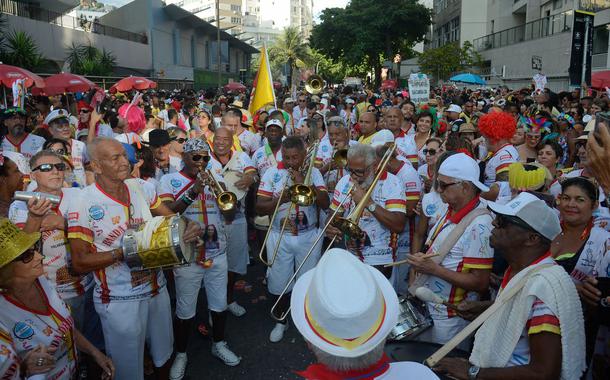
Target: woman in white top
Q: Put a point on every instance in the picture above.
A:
(36, 318)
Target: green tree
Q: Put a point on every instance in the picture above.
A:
(443, 61)
(89, 60)
(290, 47)
(20, 49)
(370, 30)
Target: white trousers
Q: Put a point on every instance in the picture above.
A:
(238, 256)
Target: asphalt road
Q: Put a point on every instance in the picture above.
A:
(248, 337)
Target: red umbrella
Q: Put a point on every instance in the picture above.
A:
(235, 86)
(389, 84)
(132, 83)
(600, 79)
(9, 74)
(66, 82)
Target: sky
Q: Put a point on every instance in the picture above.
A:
(319, 5)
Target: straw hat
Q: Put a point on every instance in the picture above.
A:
(13, 241)
(343, 306)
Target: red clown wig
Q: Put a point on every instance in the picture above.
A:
(497, 126)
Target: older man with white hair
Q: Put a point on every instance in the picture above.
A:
(345, 310)
(461, 241)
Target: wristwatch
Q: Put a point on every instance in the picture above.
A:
(473, 372)
(372, 207)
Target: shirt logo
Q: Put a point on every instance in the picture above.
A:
(73, 216)
(23, 331)
(96, 212)
(175, 183)
(430, 209)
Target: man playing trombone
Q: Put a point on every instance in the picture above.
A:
(293, 226)
(379, 213)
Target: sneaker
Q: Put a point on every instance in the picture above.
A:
(236, 309)
(178, 366)
(278, 332)
(222, 352)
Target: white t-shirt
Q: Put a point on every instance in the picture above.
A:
(241, 163)
(409, 179)
(31, 145)
(406, 147)
(175, 165)
(303, 218)
(79, 158)
(264, 159)
(499, 162)
(56, 249)
(27, 329)
(471, 251)
(433, 207)
(203, 211)
(249, 141)
(10, 363)
(595, 248)
(378, 246)
(97, 218)
(326, 150)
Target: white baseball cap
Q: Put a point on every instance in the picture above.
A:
(462, 167)
(18, 159)
(454, 108)
(382, 137)
(275, 122)
(533, 211)
(349, 101)
(56, 114)
(343, 306)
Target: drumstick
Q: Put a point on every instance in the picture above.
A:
(405, 261)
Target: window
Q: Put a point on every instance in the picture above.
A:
(557, 4)
(235, 20)
(236, 8)
(600, 39)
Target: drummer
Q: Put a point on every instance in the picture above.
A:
(186, 192)
(225, 161)
(133, 306)
(346, 326)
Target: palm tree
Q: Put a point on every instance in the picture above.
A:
(21, 50)
(290, 47)
(89, 60)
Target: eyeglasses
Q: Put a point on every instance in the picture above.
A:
(64, 124)
(61, 152)
(358, 172)
(181, 140)
(302, 100)
(199, 157)
(45, 168)
(84, 111)
(442, 186)
(28, 255)
(432, 152)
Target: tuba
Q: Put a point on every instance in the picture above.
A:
(315, 84)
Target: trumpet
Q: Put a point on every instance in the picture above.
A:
(340, 158)
(301, 194)
(349, 225)
(226, 200)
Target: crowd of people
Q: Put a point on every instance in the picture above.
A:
(493, 201)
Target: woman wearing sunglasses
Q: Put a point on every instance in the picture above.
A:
(432, 150)
(39, 323)
(178, 138)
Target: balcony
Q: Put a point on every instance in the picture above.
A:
(25, 10)
(593, 5)
(540, 28)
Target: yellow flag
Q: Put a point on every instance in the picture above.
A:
(262, 88)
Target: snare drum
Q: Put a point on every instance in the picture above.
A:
(164, 248)
(413, 319)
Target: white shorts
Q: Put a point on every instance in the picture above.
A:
(238, 256)
(128, 325)
(291, 253)
(400, 275)
(188, 282)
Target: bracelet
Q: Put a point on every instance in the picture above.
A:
(187, 199)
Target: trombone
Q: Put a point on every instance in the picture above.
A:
(226, 200)
(349, 226)
(301, 194)
(340, 158)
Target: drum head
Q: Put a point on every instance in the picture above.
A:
(188, 249)
(262, 222)
(231, 178)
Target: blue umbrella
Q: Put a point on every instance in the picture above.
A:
(468, 78)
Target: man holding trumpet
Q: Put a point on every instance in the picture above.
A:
(288, 240)
(458, 259)
(384, 208)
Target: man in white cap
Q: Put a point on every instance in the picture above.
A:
(270, 153)
(466, 267)
(59, 125)
(453, 116)
(538, 332)
(16, 138)
(344, 310)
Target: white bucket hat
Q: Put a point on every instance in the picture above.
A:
(343, 306)
(462, 167)
(382, 137)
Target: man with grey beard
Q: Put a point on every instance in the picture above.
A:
(17, 139)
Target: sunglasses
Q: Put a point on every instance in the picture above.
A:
(302, 100)
(199, 157)
(45, 168)
(442, 186)
(61, 152)
(181, 140)
(84, 111)
(28, 256)
(431, 151)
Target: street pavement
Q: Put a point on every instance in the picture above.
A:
(248, 337)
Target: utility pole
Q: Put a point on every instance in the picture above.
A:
(218, 43)
(585, 47)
